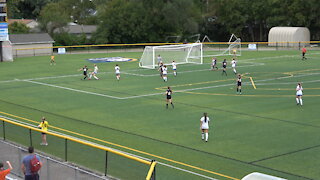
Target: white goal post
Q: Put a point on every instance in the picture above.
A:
(234, 47)
(181, 53)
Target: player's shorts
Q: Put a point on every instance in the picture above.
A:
(233, 65)
(224, 66)
(298, 94)
(204, 126)
(174, 69)
(168, 96)
(239, 83)
(95, 72)
(85, 73)
(118, 73)
(303, 53)
(43, 133)
(165, 73)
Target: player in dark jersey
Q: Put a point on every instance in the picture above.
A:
(161, 69)
(85, 72)
(224, 66)
(239, 84)
(169, 98)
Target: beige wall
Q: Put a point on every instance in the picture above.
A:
(31, 49)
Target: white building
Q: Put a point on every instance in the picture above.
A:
(289, 36)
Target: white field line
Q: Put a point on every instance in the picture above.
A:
(153, 94)
(71, 89)
(124, 72)
(191, 172)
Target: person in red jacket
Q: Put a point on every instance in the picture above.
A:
(5, 172)
(304, 51)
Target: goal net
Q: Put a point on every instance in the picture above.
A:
(182, 53)
(233, 47)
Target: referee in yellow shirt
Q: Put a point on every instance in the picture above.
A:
(44, 127)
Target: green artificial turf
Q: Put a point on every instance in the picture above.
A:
(261, 130)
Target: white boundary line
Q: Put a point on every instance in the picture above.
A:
(153, 94)
(71, 89)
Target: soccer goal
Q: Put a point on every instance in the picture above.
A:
(233, 47)
(181, 54)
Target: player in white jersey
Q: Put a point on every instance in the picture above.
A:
(204, 127)
(233, 65)
(174, 68)
(164, 73)
(117, 69)
(214, 63)
(94, 73)
(159, 59)
(299, 90)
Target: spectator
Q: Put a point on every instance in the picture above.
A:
(44, 126)
(4, 172)
(26, 165)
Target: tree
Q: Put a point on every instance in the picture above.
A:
(127, 21)
(18, 28)
(53, 16)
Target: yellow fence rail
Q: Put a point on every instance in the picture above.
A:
(86, 143)
(158, 44)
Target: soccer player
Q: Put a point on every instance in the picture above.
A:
(52, 61)
(174, 68)
(233, 64)
(304, 51)
(214, 64)
(169, 98)
(164, 73)
(160, 69)
(299, 90)
(44, 127)
(85, 72)
(239, 84)
(117, 69)
(94, 73)
(159, 59)
(224, 66)
(204, 127)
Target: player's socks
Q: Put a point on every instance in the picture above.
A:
(297, 99)
(301, 102)
(167, 106)
(96, 77)
(237, 89)
(240, 91)
(175, 73)
(235, 72)
(202, 136)
(172, 105)
(207, 136)
(90, 76)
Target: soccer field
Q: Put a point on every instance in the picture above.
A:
(260, 130)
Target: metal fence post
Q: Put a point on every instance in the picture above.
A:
(48, 168)
(66, 150)
(4, 130)
(154, 174)
(106, 165)
(20, 158)
(30, 135)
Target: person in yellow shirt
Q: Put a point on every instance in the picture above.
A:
(52, 61)
(44, 127)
